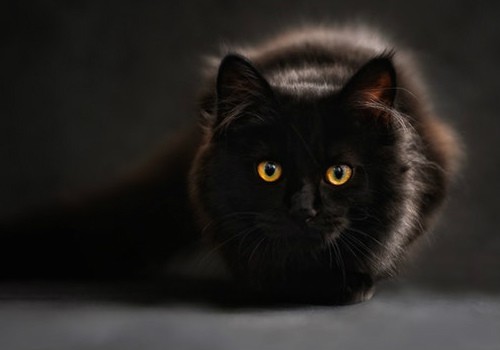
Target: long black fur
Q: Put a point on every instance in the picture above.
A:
(308, 99)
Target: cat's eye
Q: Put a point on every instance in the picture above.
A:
(338, 174)
(269, 171)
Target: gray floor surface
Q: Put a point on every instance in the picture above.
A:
(392, 320)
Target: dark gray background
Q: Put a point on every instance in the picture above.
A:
(90, 89)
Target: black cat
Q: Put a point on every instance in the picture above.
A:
(317, 162)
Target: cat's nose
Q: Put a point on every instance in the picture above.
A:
(304, 214)
(302, 203)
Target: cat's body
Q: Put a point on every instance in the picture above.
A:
(317, 162)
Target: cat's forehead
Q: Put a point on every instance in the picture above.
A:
(310, 127)
(315, 115)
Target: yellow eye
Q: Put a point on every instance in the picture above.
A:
(338, 174)
(269, 171)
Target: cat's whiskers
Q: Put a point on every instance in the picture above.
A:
(332, 246)
(339, 259)
(366, 216)
(330, 258)
(351, 246)
(247, 233)
(255, 249)
(375, 240)
(360, 243)
(362, 249)
(348, 246)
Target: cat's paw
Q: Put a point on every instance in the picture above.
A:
(359, 288)
(358, 295)
(320, 289)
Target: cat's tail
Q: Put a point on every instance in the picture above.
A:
(45, 245)
(65, 244)
(126, 235)
(125, 232)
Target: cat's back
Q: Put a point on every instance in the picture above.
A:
(319, 45)
(325, 56)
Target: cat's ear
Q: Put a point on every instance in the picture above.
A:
(373, 87)
(240, 88)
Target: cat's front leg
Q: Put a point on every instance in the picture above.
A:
(323, 288)
(339, 288)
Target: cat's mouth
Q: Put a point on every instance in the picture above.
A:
(306, 236)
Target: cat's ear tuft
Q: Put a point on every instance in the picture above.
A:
(239, 86)
(373, 87)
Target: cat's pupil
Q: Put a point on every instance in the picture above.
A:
(338, 171)
(270, 169)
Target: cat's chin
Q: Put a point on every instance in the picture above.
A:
(320, 237)
(307, 240)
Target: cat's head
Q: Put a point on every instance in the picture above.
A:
(295, 170)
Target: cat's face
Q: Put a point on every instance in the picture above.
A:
(285, 177)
